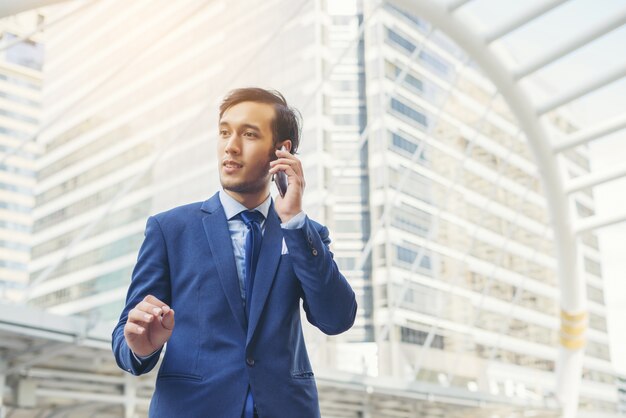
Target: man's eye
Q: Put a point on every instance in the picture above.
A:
(254, 134)
(223, 133)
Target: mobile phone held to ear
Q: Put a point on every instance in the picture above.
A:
(280, 178)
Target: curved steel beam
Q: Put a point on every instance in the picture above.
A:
(572, 288)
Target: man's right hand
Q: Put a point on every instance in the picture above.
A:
(149, 326)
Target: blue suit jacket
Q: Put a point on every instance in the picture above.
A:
(187, 261)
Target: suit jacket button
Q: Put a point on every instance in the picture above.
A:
(250, 361)
(314, 252)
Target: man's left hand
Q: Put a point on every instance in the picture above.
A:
(289, 206)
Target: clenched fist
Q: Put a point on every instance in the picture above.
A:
(149, 326)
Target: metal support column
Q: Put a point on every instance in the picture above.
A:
(130, 396)
(3, 367)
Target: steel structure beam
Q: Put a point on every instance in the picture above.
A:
(454, 5)
(595, 179)
(587, 135)
(522, 19)
(594, 83)
(572, 287)
(593, 223)
(582, 39)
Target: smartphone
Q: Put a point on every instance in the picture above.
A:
(280, 178)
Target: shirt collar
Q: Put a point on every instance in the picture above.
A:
(232, 208)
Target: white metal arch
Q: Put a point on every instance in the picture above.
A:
(571, 283)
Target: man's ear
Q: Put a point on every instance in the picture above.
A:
(286, 143)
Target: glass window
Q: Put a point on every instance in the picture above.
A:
(14, 245)
(15, 188)
(429, 58)
(13, 133)
(407, 145)
(411, 81)
(417, 185)
(20, 82)
(419, 23)
(22, 172)
(19, 99)
(401, 41)
(14, 226)
(434, 62)
(409, 111)
(18, 116)
(405, 257)
(20, 153)
(119, 248)
(13, 265)
(593, 267)
(414, 336)
(412, 220)
(25, 53)
(346, 119)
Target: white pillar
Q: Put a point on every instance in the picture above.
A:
(3, 367)
(130, 396)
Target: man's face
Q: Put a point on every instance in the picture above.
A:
(245, 147)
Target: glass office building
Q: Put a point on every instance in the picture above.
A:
(134, 128)
(20, 108)
(463, 272)
(411, 158)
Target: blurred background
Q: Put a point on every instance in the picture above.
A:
(467, 157)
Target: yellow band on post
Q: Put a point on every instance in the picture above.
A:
(572, 344)
(573, 328)
(577, 317)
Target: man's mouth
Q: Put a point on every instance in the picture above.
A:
(231, 166)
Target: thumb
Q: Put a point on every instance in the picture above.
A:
(168, 320)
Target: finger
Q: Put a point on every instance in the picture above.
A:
(295, 164)
(140, 317)
(283, 161)
(285, 154)
(133, 329)
(292, 175)
(154, 301)
(168, 320)
(283, 167)
(149, 308)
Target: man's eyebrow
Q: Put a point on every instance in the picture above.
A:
(248, 125)
(244, 125)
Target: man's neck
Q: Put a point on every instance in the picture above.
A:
(249, 200)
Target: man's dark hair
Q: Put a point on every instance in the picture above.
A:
(286, 123)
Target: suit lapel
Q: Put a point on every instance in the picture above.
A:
(269, 258)
(218, 235)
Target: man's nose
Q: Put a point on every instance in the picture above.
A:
(233, 145)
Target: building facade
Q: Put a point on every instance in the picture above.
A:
(464, 274)
(20, 108)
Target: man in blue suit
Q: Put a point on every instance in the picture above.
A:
(233, 270)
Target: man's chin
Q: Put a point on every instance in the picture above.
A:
(239, 187)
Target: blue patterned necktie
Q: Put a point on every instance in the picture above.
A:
(253, 220)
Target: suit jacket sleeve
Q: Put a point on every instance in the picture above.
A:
(150, 277)
(329, 301)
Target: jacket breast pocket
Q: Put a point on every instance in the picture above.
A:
(179, 376)
(302, 374)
